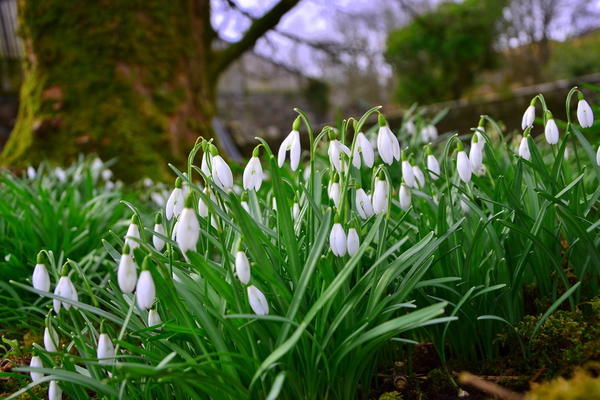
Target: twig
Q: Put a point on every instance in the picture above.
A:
(491, 388)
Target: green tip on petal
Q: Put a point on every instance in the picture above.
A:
(475, 138)
(178, 182)
(158, 219)
(40, 258)
(428, 149)
(146, 263)
(549, 115)
(189, 201)
(381, 175)
(459, 146)
(481, 121)
(381, 120)
(296, 124)
(532, 102)
(256, 151)
(335, 178)
(580, 95)
(135, 220)
(125, 249)
(403, 155)
(213, 150)
(65, 269)
(102, 327)
(332, 134)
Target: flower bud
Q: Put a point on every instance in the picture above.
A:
(127, 272)
(295, 211)
(524, 149)
(36, 362)
(221, 173)
(380, 196)
(132, 237)
(64, 288)
(475, 154)
(404, 197)
(337, 240)
(528, 116)
(257, 300)
(292, 144)
(175, 201)
(551, 131)
(353, 242)
(253, 174)
(154, 318)
(50, 339)
(364, 208)
(387, 144)
(407, 173)
(145, 290)
(463, 165)
(157, 241)
(242, 267)
(54, 391)
(188, 228)
(585, 115)
(106, 351)
(41, 278)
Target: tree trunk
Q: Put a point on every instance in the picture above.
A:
(113, 77)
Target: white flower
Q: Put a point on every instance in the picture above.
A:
(429, 133)
(257, 300)
(148, 183)
(106, 350)
(480, 138)
(145, 290)
(353, 242)
(433, 166)
(157, 241)
(175, 201)
(407, 173)
(31, 172)
(188, 230)
(41, 278)
(463, 166)
(404, 197)
(64, 288)
(334, 193)
(221, 173)
(133, 232)
(337, 240)
(127, 272)
(50, 339)
(153, 318)
(528, 117)
(202, 205)
(174, 231)
(107, 174)
(36, 362)
(295, 211)
(363, 204)
(380, 197)
(585, 115)
(253, 175)
(551, 132)
(524, 149)
(204, 164)
(291, 143)
(60, 174)
(419, 177)
(409, 127)
(335, 151)
(475, 156)
(387, 144)
(363, 147)
(242, 267)
(54, 391)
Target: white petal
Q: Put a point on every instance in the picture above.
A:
(433, 166)
(188, 230)
(158, 242)
(36, 362)
(295, 151)
(366, 149)
(334, 194)
(475, 156)
(384, 145)
(242, 267)
(174, 203)
(50, 340)
(41, 278)
(153, 318)
(363, 204)
(524, 149)
(54, 391)
(380, 197)
(145, 291)
(127, 273)
(105, 350)
(258, 301)
(528, 117)
(551, 132)
(585, 115)
(407, 174)
(404, 197)
(133, 232)
(222, 173)
(463, 166)
(337, 240)
(419, 177)
(353, 242)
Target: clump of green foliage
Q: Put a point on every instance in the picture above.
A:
(582, 386)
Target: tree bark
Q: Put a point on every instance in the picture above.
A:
(134, 79)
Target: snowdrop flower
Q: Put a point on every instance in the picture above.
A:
(253, 173)
(127, 271)
(54, 391)
(202, 205)
(353, 242)
(335, 151)
(551, 130)
(64, 288)
(585, 115)
(363, 204)
(380, 196)
(31, 172)
(188, 228)
(337, 240)
(174, 231)
(221, 173)
(175, 201)
(157, 241)
(133, 232)
(528, 116)
(204, 163)
(363, 147)
(598, 156)
(404, 197)
(257, 300)
(524, 148)
(432, 164)
(419, 177)
(295, 211)
(475, 153)
(36, 362)
(148, 183)
(154, 318)
(407, 172)
(242, 267)
(50, 338)
(41, 278)
(107, 174)
(409, 127)
(387, 143)
(334, 192)
(429, 133)
(463, 165)
(106, 350)
(291, 143)
(60, 174)
(145, 290)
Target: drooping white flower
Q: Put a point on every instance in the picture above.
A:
(433, 165)
(407, 172)
(153, 318)
(295, 211)
(127, 272)
(50, 339)
(106, 351)
(291, 143)
(157, 241)
(387, 143)
(221, 173)
(585, 115)
(335, 151)
(107, 174)
(54, 391)
(204, 163)
(36, 362)
(31, 172)
(404, 197)
(551, 131)
(337, 240)
(188, 229)
(363, 147)
(175, 201)
(133, 233)
(409, 127)
(480, 138)
(253, 174)
(60, 174)
(242, 267)
(353, 242)
(203, 205)
(41, 278)
(524, 149)
(380, 196)
(528, 116)
(334, 193)
(475, 154)
(64, 288)
(363, 204)
(145, 290)
(419, 177)
(429, 133)
(463, 165)
(257, 300)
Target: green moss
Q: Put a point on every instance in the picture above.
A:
(391, 396)
(582, 386)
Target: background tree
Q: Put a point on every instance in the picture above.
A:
(121, 77)
(438, 54)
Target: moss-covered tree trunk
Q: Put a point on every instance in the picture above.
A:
(134, 79)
